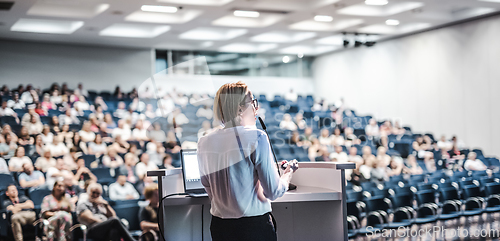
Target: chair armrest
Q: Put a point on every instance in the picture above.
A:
(427, 206)
(450, 206)
(361, 206)
(478, 203)
(374, 218)
(401, 212)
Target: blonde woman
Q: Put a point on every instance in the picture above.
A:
(238, 170)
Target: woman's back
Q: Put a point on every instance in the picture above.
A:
(231, 180)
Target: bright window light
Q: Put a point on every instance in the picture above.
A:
(158, 9)
(323, 18)
(376, 2)
(392, 22)
(286, 59)
(247, 14)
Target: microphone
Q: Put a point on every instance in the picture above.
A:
(290, 185)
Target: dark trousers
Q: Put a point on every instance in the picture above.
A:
(257, 228)
(112, 229)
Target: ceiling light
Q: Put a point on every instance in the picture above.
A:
(247, 14)
(376, 2)
(392, 22)
(323, 18)
(158, 9)
(300, 55)
(286, 59)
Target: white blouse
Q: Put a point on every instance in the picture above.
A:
(232, 183)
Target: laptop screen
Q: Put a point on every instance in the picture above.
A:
(190, 170)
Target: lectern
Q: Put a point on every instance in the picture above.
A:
(316, 210)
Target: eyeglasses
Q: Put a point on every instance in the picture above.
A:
(254, 102)
(96, 193)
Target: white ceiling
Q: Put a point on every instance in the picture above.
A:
(283, 26)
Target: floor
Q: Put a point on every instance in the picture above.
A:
(483, 227)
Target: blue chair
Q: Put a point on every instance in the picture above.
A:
(88, 159)
(377, 217)
(6, 180)
(403, 211)
(103, 175)
(427, 211)
(493, 197)
(473, 200)
(37, 196)
(451, 205)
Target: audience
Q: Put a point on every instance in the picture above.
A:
(144, 165)
(338, 155)
(372, 129)
(148, 215)
(287, 123)
(109, 134)
(112, 159)
(122, 190)
(82, 173)
(57, 208)
(412, 166)
(100, 218)
(30, 178)
(18, 160)
(57, 172)
(474, 164)
(22, 211)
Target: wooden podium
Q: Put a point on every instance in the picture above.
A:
(316, 210)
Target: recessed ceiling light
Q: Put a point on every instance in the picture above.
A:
(46, 26)
(158, 9)
(286, 59)
(376, 2)
(300, 55)
(247, 14)
(392, 22)
(323, 18)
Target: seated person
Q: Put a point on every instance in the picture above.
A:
(112, 159)
(46, 161)
(98, 147)
(73, 190)
(322, 155)
(82, 173)
(57, 208)
(128, 168)
(58, 148)
(4, 169)
(287, 123)
(167, 162)
(379, 172)
(412, 166)
(474, 164)
(122, 190)
(30, 178)
(22, 211)
(100, 218)
(148, 215)
(144, 166)
(338, 155)
(16, 162)
(395, 167)
(59, 171)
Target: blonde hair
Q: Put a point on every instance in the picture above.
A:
(227, 100)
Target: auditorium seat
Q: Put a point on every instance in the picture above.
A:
(474, 200)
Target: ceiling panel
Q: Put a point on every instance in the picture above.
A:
(277, 26)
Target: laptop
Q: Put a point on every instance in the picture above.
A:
(191, 174)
